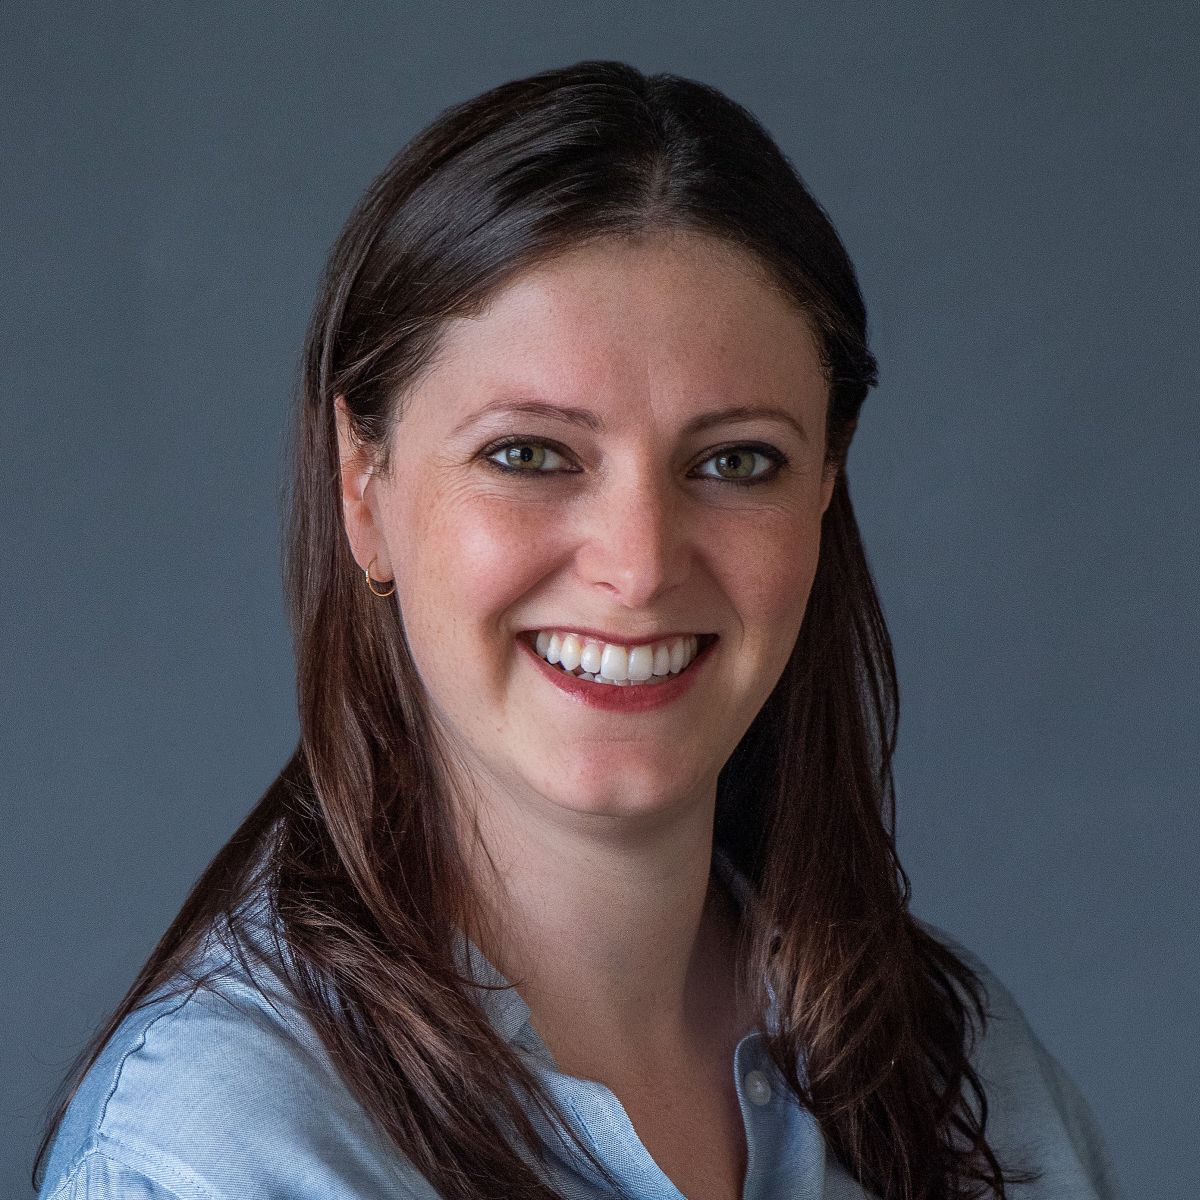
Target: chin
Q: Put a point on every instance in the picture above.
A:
(627, 793)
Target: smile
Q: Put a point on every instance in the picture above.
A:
(602, 662)
(628, 695)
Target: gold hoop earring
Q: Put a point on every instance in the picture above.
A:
(372, 582)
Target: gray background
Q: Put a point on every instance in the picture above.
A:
(1017, 185)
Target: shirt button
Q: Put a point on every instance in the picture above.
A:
(757, 1087)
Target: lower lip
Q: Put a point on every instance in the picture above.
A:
(611, 696)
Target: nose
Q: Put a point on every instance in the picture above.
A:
(634, 544)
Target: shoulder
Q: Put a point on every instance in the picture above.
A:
(1037, 1118)
(219, 1092)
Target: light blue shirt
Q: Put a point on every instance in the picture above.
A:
(227, 1096)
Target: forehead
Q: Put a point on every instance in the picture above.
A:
(669, 315)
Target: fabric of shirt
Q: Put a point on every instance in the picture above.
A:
(226, 1093)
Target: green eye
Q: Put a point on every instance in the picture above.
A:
(739, 465)
(736, 464)
(522, 457)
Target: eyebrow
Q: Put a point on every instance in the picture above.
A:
(587, 419)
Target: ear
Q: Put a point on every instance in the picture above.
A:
(358, 510)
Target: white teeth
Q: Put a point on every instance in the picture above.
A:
(621, 682)
(590, 657)
(606, 662)
(614, 662)
(677, 651)
(570, 652)
(641, 663)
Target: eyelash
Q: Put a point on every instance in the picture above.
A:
(776, 456)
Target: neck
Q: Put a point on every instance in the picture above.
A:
(619, 942)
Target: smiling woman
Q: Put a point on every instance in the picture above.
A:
(640, 519)
(582, 880)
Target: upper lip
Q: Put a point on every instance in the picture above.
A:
(617, 639)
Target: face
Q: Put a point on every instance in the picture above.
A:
(652, 511)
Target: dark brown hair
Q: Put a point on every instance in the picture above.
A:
(367, 882)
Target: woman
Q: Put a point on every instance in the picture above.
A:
(582, 879)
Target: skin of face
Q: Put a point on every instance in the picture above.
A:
(629, 529)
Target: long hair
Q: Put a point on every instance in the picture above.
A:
(367, 881)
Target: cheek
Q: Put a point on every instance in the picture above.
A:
(770, 575)
(472, 558)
